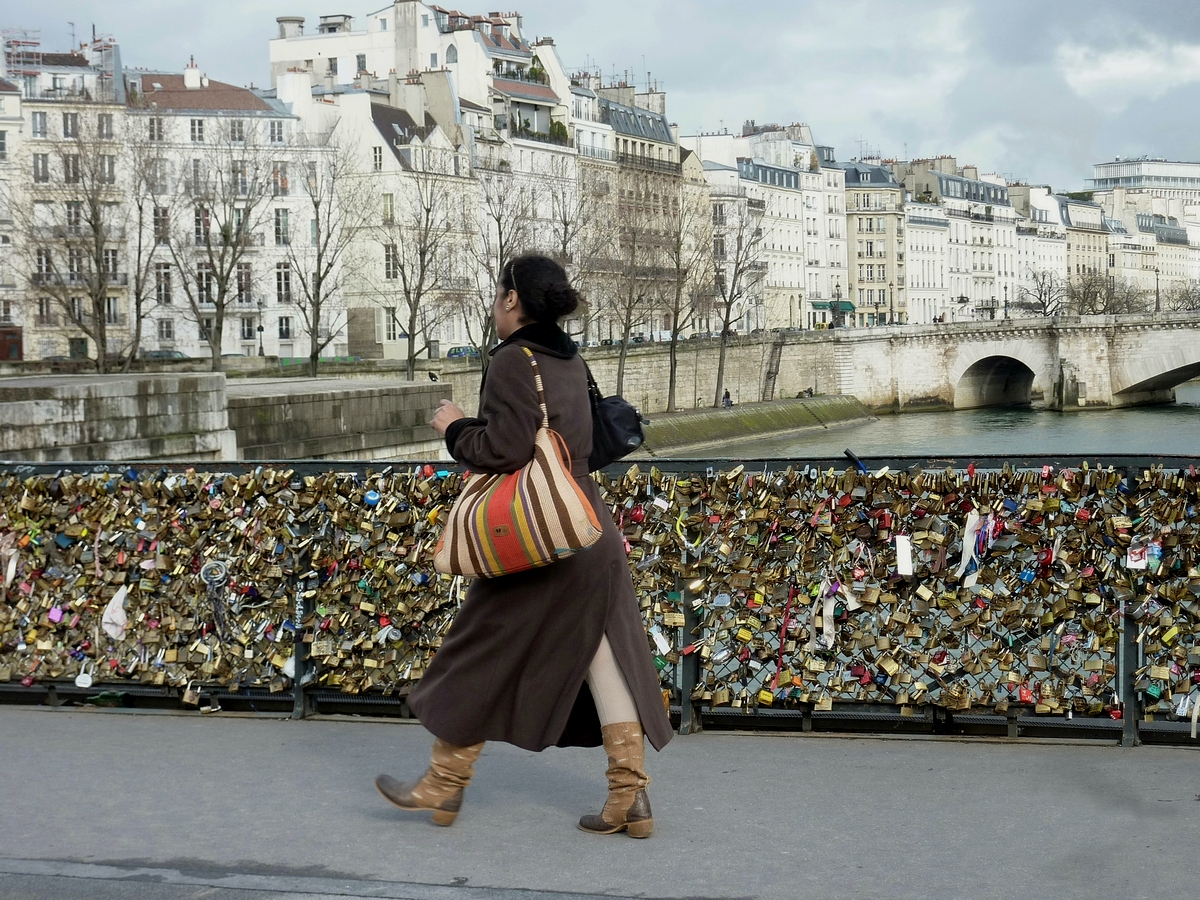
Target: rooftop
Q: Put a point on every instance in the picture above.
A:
(167, 91)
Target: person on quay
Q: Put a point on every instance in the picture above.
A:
(552, 656)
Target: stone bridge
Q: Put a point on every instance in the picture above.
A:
(1066, 362)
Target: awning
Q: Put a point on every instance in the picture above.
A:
(835, 305)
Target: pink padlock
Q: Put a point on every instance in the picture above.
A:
(55, 615)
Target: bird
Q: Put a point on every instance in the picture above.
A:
(433, 376)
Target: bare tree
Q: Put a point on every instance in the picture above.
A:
(146, 246)
(1184, 298)
(73, 224)
(687, 242)
(501, 227)
(215, 217)
(1043, 294)
(1099, 295)
(420, 236)
(738, 268)
(338, 203)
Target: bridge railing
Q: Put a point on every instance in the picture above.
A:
(1028, 596)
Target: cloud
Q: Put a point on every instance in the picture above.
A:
(1117, 77)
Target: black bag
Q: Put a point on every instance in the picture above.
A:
(616, 427)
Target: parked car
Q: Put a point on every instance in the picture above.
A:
(163, 354)
(462, 353)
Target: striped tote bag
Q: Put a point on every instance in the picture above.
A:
(502, 524)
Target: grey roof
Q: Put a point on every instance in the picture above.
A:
(634, 122)
(712, 166)
(863, 173)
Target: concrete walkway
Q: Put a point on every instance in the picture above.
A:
(111, 804)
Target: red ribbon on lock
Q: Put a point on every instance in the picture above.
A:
(1025, 694)
(787, 617)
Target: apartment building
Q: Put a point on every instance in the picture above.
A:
(12, 345)
(875, 223)
(982, 241)
(926, 251)
(1087, 237)
(799, 190)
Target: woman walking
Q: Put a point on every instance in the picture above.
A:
(553, 656)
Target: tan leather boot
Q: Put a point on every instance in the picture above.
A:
(440, 789)
(628, 807)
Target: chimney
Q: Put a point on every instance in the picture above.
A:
(191, 75)
(290, 26)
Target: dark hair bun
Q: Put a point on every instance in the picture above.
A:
(542, 287)
(561, 299)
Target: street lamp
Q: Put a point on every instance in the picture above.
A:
(260, 325)
(1006, 301)
(1157, 300)
(891, 303)
(837, 302)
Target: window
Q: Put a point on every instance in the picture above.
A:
(718, 213)
(362, 62)
(162, 283)
(391, 262)
(241, 178)
(198, 130)
(206, 329)
(391, 326)
(237, 131)
(285, 328)
(71, 168)
(282, 235)
(155, 128)
(247, 328)
(108, 170)
(383, 24)
(197, 176)
(75, 309)
(314, 233)
(41, 168)
(279, 179)
(104, 126)
(377, 158)
(3, 145)
(276, 132)
(424, 21)
(74, 211)
(166, 330)
(38, 124)
(204, 283)
(45, 315)
(75, 264)
(112, 310)
(200, 225)
(719, 247)
(881, 224)
(70, 125)
(162, 225)
(44, 263)
(244, 280)
(389, 209)
(283, 283)
(156, 175)
(333, 65)
(109, 262)
(451, 54)
(433, 60)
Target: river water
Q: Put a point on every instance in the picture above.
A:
(1172, 430)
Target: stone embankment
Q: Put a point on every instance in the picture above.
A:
(700, 428)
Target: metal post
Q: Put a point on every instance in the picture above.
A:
(301, 704)
(689, 668)
(1127, 662)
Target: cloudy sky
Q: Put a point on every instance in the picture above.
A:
(1037, 90)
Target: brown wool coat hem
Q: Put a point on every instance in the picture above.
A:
(513, 664)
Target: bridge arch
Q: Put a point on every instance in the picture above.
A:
(994, 381)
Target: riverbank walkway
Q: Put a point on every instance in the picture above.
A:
(164, 806)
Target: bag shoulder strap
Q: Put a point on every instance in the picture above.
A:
(537, 380)
(594, 393)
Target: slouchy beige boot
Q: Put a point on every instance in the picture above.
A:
(628, 807)
(440, 789)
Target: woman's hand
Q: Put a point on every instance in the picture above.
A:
(447, 412)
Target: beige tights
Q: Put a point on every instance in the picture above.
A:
(610, 690)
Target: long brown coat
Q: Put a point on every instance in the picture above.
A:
(513, 664)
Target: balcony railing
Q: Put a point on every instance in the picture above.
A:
(649, 163)
(67, 232)
(542, 138)
(594, 152)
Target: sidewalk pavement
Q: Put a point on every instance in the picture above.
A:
(164, 806)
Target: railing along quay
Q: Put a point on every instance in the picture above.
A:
(793, 594)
